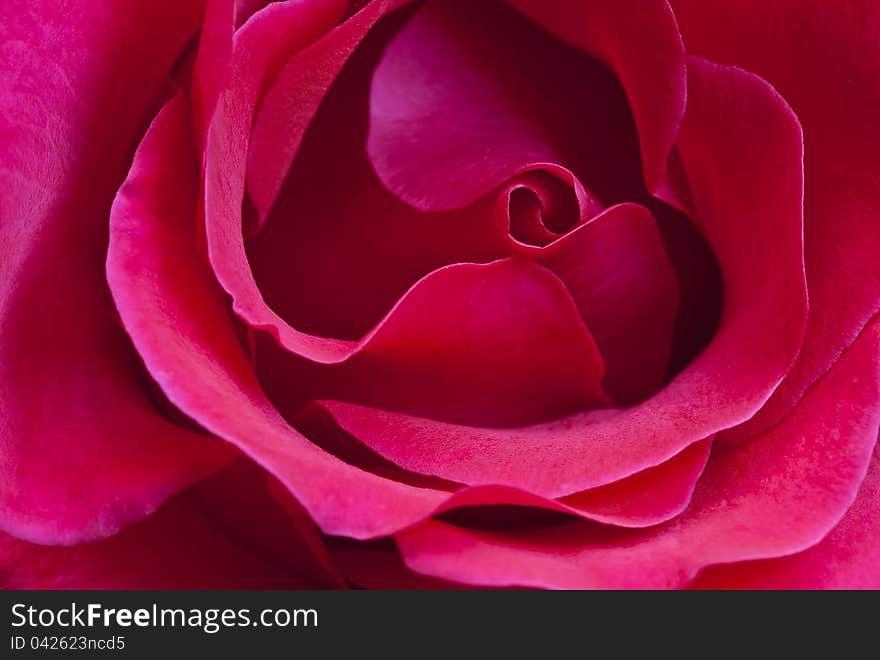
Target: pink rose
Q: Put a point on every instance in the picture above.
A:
(543, 293)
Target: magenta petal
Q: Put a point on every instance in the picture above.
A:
(82, 450)
(621, 279)
(778, 495)
(640, 42)
(847, 558)
(467, 96)
(747, 185)
(498, 344)
(179, 321)
(552, 459)
(256, 512)
(294, 98)
(371, 567)
(824, 58)
(227, 155)
(175, 548)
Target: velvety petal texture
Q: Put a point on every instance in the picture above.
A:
(83, 451)
(392, 294)
(848, 557)
(780, 494)
(175, 548)
(840, 48)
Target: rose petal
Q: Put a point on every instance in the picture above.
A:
(847, 558)
(620, 277)
(338, 250)
(179, 321)
(246, 504)
(493, 344)
(759, 163)
(778, 495)
(466, 97)
(78, 82)
(175, 548)
(382, 568)
(302, 83)
(743, 173)
(294, 98)
(824, 58)
(640, 42)
(645, 498)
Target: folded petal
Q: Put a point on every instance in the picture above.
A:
(420, 446)
(294, 98)
(824, 58)
(729, 159)
(253, 510)
(338, 250)
(639, 40)
(178, 319)
(621, 279)
(847, 558)
(496, 344)
(466, 97)
(780, 494)
(175, 548)
(82, 450)
(295, 95)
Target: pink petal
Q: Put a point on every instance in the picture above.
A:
(824, 58)
(645, 498)
(744, 174)
(466, 97)
(491, 344)
(382, 568)
(338, 250)
(212, 63)
(620, 277)
(252, 509)
(640, 42)
(227, 154)
(82, 450)
(179, 321)
(361, 248)
(778, 495)
(175, 548)
(847, 558)
(294, 98)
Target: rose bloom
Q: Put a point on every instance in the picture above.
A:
(388, 294)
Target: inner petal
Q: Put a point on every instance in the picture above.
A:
(541, 206)
(468, 96)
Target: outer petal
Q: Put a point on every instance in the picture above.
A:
(180, 324)
(847, 558)
(257, 513)
(824, 58)
(77, 81)
(371, 567)
(778, 495)
(175, 548)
